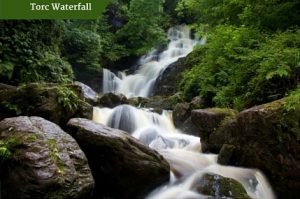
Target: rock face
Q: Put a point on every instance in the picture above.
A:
(220, 187)
(166, 83)
(121, 166)
(266, 137)
(207, 122)
(41, 161)
(112, 100)
(50, 101)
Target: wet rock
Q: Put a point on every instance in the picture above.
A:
(167, 83)
(207, 122)
(53, 102)
(181, 112)
(162, 102)
(122, 167)
(197, 102)
(220, 187)
(112, 100)
(267, 137)
(182, 119)
(41, 161)
(89, 95)
(226, 154)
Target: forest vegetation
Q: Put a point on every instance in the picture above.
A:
(252, 54)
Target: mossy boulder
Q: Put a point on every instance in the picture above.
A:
(226, 154)
(220, 187)
(208, 121)
(267, 137)
(112, 100)
(41, 161)
(57, 103)
(122, 167)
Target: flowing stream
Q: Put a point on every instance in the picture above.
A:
(182, 151)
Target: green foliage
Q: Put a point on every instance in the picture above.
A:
(252, 51)
(143, 32)
(241, 67)
(67, 98)
(15, 108)
(131, 28)
(30, 52)
(112, 49)
(263, 14)
(82, 48)
(293, 100)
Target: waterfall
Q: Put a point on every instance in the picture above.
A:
(183, 152)
(151, 65)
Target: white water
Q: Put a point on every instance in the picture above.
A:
(150, 66)
(183, 152)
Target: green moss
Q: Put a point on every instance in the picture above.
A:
(229, 112)
(7, 148)
(31, 138)
(221, 187)
(54, 153)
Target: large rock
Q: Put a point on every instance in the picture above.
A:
(220, 187)
(207, 122)
(39, 160)
(167, 82)
(266, 137)
(182, 119)
(88, 94)
(53, 102)
(121, 166)
(112, 100)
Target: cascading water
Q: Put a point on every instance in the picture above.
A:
(183, 152)
(150, 66)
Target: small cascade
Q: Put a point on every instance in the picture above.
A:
(151, 65)
(183, 152)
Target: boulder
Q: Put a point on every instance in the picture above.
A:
(267, 137)
(39, 160)
(181, 113)
(112, 100)
(226, 154)
(219, 187)
(207, 122)
(88, 94)
(122, 167)
(182, 119)
(57, 103)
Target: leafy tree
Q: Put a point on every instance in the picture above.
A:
(143, 32)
